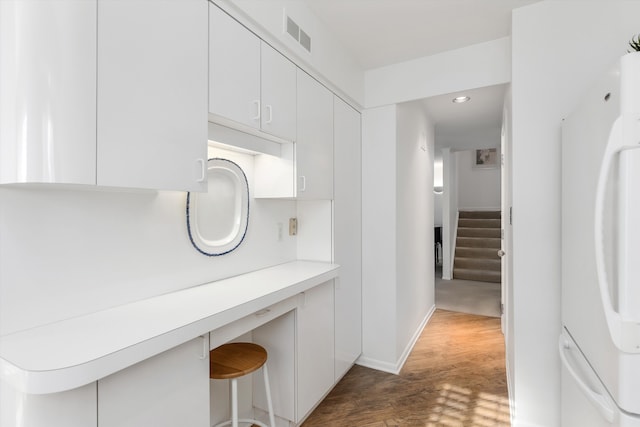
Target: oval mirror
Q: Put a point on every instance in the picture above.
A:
(217, 220)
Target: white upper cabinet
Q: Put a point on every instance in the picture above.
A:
(304, 170)
(278, 94)
(234, 67)
(104, 92)
(314, 146)
(251, 83)
(48, 91)
(152, 100)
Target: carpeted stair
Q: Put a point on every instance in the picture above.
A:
(477, 245)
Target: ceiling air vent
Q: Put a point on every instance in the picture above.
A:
(305, 40)
(294, 30)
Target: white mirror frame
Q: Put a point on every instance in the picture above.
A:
(238, 230)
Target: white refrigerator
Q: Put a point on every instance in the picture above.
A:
(600, 341)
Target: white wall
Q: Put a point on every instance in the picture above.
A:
(480, 65)
(477, 188)
(552, 66)
(481, 136)
(379, 219)
(397, 231)
(414, 204)
(67, 252)
(437, 210)
(449, 211)
(329, 62)
(507, 243)
(438, 180)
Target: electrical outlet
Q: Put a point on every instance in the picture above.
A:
(293, 226)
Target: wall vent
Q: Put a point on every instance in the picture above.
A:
(305, 40)
(294, 30)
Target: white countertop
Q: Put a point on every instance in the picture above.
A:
(74, 352)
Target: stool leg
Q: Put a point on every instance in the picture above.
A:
(272, 420)
(234, 402)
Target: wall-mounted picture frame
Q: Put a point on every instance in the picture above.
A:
(485, 158)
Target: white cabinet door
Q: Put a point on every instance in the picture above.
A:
(48, 91)
(278, 94)
(278, 338)
(152, 101)
(73, 408)
(347, 235)
(234, 68)
(250, 82)
(167, 390)
(315, 351)
(314, 146)
(112, 94)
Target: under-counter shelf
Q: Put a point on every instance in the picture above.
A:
(74, 352)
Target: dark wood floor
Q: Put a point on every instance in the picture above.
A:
(455, 376)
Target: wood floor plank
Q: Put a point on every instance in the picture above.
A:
(454, 377)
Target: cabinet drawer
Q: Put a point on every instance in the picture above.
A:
(248, 323)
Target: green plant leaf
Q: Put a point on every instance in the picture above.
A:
(635, 43)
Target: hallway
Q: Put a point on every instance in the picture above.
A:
(454, 377)
(468, 296)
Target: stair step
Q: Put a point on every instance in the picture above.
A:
(477, 275)
(485, 253)
(479, 223)
(477, 242)
(478, 264)
(478, 232)
(480, 214)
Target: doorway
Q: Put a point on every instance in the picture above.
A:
(461, 184)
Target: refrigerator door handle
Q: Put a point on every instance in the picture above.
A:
(625, 333)
(604, 405)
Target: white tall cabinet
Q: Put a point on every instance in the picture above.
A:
(314, 146)
(104, 92)
(347, 213)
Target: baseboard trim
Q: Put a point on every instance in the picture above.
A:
(395, 368)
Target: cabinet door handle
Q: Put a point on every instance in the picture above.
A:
(303, 300)
(203, 170)
(257, 104)
(205, 347)
(303, 182)
(269, 114)
(262, 312)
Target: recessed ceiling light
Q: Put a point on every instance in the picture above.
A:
(461, 99)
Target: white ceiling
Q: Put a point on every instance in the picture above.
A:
(384, 32)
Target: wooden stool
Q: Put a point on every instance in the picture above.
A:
(233, 360)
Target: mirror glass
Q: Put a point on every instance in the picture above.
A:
(217, 220)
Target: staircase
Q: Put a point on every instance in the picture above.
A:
(477, 245)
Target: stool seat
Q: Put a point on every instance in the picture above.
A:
(233, 360)
(236, 359)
